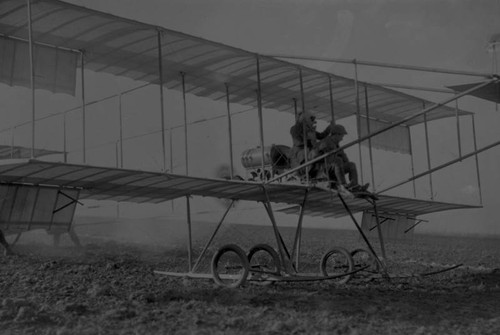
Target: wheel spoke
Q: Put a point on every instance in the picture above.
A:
(336, 262)
(230, 266)
(264, 261)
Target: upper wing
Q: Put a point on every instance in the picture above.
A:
(129, 48)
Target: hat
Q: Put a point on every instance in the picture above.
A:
(338, 129)
(306, 115)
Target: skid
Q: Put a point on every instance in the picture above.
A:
(287, 262)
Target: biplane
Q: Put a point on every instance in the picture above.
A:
(50, 44)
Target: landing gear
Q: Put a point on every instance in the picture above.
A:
(337, 261)
(264, 261)
(364, 259)
(230, 266)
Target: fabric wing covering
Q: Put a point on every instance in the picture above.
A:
(55, 69)
(489, 92)
(396, 139)
(105, 183)
(131, 49)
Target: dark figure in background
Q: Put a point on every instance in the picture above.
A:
(3, 242)
(74, 238)
(57, 237)
(338, 165)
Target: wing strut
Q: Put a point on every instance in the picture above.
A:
(379, 231)
(298, 233)
(384, 219)
(210, 240)
(283, 252)
(417, 222)
(367, 242)
(190, 234)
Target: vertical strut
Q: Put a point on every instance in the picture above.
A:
(261, 122)
(117, 156)
(84, 112)
(12, 132)
(295, 109)
(358, 118)
(162, 102)
(186, 153)
(283, 252)
(477, 160)
(190, 237)
(32, 77)
(120, 117)
(428, 155)
(298, 233)
(379, 230)
(65, 149)
(304, 132)
(459, 141)
(412, 163)
(369, 139)
(171, 148)
(230, 132)
(332, 110)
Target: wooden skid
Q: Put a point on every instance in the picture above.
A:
(271, 277)
(190, 275)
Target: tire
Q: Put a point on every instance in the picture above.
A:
(230, 266)
(362, 258)
(263, 259)
(337, 261)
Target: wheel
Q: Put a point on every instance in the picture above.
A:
(337, 261)
(363, 258)
(263, 260)
(230, 266)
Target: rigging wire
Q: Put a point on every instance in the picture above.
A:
(128, 138)
(78, 108)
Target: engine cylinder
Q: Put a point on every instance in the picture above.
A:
(274, 155)
(252, 158)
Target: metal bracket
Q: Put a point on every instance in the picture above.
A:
(385, 218)
(73, 200)
(417, 222)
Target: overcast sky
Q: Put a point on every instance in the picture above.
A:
(442, 34)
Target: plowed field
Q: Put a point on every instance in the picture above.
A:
(108, 287)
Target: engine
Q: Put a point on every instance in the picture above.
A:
(276, 161)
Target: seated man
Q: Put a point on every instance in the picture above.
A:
(338, 165)
(304, 126)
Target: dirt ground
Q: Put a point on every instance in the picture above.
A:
(109, 287)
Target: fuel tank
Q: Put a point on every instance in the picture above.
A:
(275, 155)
